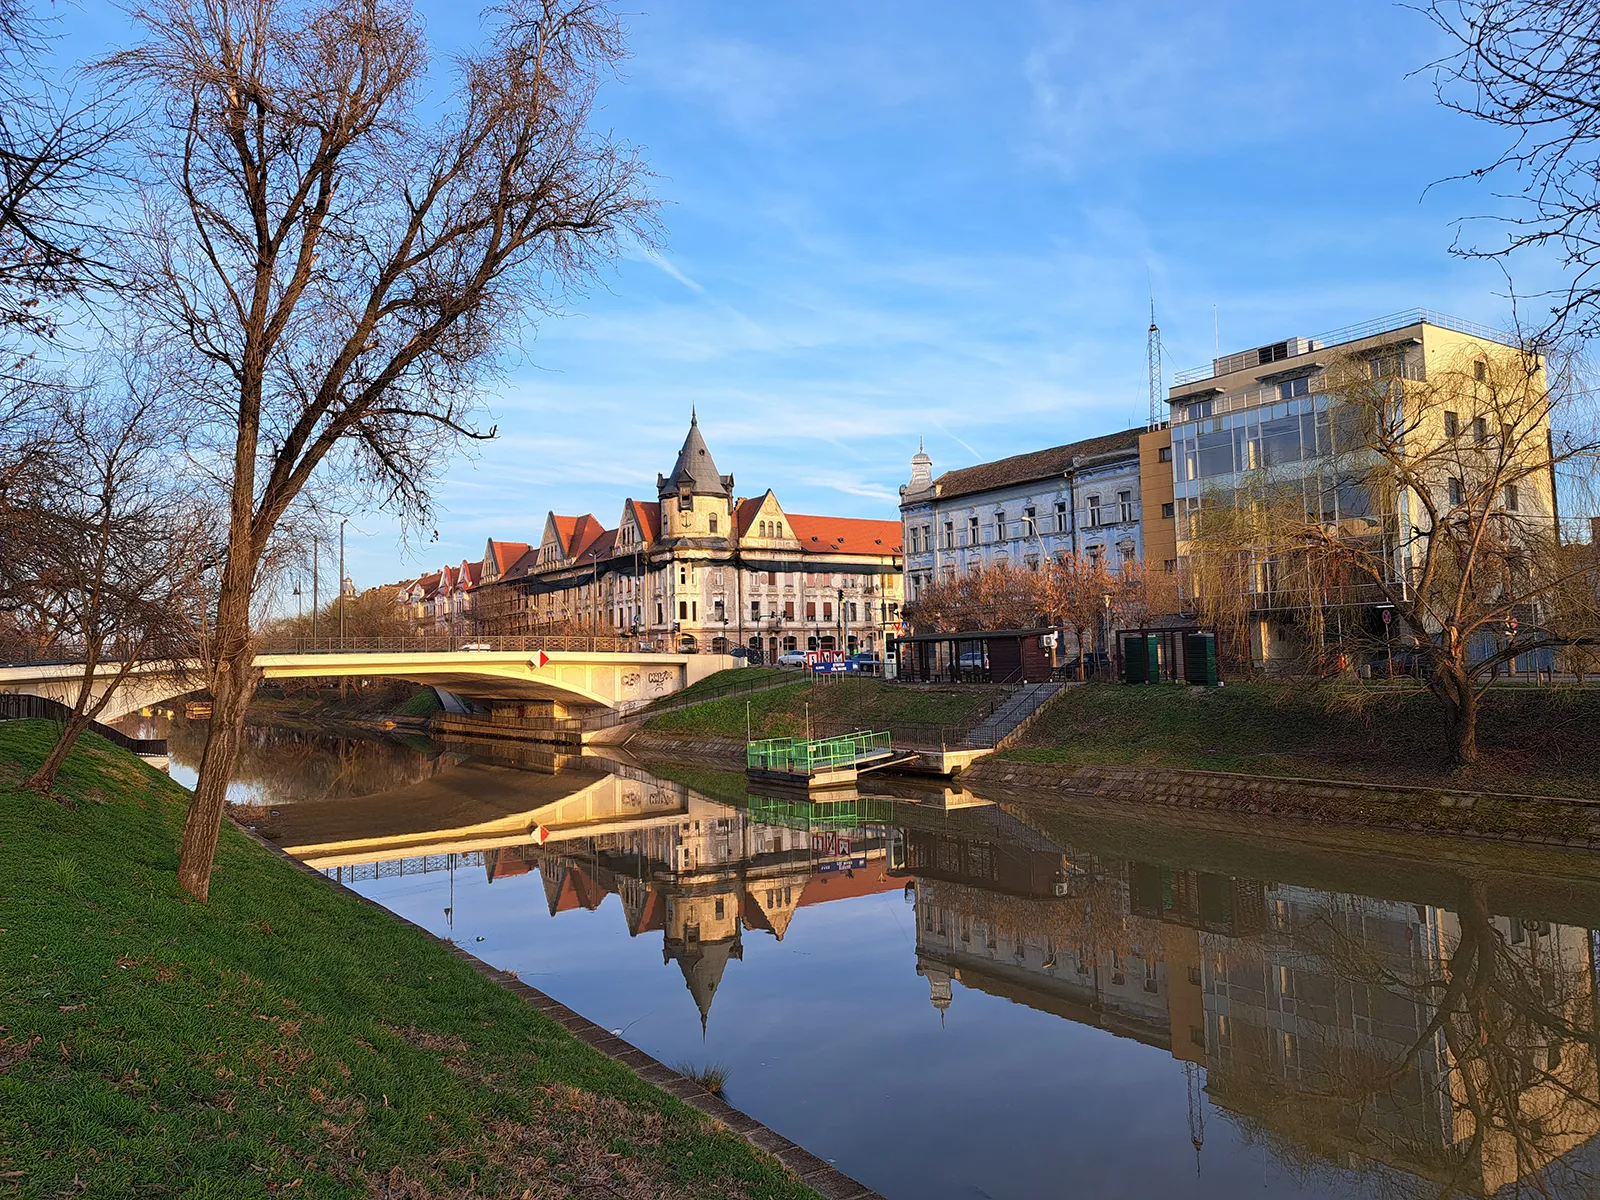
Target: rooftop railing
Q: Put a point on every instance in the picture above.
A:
(1372, 328)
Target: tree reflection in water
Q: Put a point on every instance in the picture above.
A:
(285, 763)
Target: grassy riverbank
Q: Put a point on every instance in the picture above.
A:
(868, 703)
(1532, 740)
(286, 1038)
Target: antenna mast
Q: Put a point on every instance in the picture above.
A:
(1154, 350)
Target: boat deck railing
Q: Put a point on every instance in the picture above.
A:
(801, 756)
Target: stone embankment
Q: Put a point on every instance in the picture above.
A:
(1533, 819)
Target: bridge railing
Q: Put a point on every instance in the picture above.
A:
(435, 643)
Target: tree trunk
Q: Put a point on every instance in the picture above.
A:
(1460, 702)
(233, 678)
(43, 778)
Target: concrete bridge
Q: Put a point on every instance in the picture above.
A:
(546, 683)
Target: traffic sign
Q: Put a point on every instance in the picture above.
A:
(1388, 615)
(541, 834)
(540, 660)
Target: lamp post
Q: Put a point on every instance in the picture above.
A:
(315, 602)
(341, 581)
(1107, 598)
(839, 646)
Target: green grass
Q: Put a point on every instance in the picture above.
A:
(286, 1038)
(733, 677)
(781, 711)
(424, 704)
(1531, 740)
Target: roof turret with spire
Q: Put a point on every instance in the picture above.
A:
(694, 473)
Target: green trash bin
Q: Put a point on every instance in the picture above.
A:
(1200, 659)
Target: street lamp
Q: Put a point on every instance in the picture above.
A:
(341, 581)
(840, 645)
(1107, 598)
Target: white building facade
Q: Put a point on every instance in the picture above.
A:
(1080, 499)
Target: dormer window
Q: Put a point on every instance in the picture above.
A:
(685, 499)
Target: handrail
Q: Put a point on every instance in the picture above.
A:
(799, 756)
(15, 707)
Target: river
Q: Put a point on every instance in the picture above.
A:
(958, 996)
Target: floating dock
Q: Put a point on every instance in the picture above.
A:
(820, 764)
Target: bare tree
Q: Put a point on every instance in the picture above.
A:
(336, 257)
(122, 552)
(53, 145)
(1438, 500)
(1528, 67)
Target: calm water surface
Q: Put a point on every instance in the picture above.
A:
(953, 998)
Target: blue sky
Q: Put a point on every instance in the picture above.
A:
(897, 220)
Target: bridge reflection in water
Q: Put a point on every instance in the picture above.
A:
(1419, 1020)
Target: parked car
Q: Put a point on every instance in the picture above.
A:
(866, 656)
(792, 658)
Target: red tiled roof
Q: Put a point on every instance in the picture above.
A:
(744, 516)
(600, 549)
(845, 535)
(474, 572)
(506, 553)
(648, 514)
(1035, 465)
(869, 880)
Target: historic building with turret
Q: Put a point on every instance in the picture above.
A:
(701, 568)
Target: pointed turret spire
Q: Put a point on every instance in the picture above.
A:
(694, 472)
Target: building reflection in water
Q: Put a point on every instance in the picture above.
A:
(1437, 1047)
(1448, 1051)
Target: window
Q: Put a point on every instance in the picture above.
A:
(1480, 430)
(772, 579)
(685, 499)
(683, 575)
(972, 531)
(1028, 529)
(1511, 497)
(827, 610)
(1000, 527)
(1457, 492)
(1290, 388)
(1164, 454)
(912, 538)
(1061, 516)
(811, 610)
(713, 520)
(1170, 566)
(1095, 553)
(1125, 550)
(1125, 506)
(1452, 424)
(755, 610)
(1094, 510)
(788, 610)
(683, 610)
(949, 535)
(1480, 370)
(661, 616)
(1167, 511)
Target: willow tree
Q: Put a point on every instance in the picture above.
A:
(1434, 496)
(335, 247)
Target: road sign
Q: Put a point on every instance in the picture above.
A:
(1388, 615)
